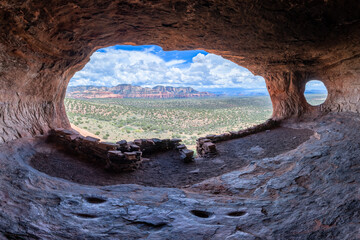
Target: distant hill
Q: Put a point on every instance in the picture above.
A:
(130, 91)
(316, 91)
(246, 92)
(249, 92)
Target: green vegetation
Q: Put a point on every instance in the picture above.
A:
(188, 118)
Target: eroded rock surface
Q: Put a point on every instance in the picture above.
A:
(43, 43)
(311, 192)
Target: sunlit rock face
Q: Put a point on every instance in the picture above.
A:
(43, 43)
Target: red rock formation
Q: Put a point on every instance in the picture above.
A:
(94, 94)
(43, 43)
(129, 91)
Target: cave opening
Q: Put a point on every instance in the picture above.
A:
(141, 92)
(140, 114)
(315, 92)
(117, 96)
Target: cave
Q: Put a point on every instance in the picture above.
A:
(310, 192)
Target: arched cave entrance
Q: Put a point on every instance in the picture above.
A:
(114, 96)
(112, 112)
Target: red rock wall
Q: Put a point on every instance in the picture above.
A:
(43, 43)
(286, 91)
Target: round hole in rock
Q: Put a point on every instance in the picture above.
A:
(201, 214)
(315, 92)
(85, 215)
(95, 200)
(237, 214)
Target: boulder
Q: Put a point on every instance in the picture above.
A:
(187, 155)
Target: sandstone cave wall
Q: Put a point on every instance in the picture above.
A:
(343, 88)
(43, 43)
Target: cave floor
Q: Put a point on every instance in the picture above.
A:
(166, 169)
(309, 191)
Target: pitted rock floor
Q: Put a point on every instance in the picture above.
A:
(311, 192)
(166, 169)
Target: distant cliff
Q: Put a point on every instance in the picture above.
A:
(129, 91)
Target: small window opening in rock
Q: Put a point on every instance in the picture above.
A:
(315, 92)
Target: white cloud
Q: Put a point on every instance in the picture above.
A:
(144, 68)
(174, 62)
(315, 85)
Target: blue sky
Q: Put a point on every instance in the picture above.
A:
(167, 56)
(150, 65)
